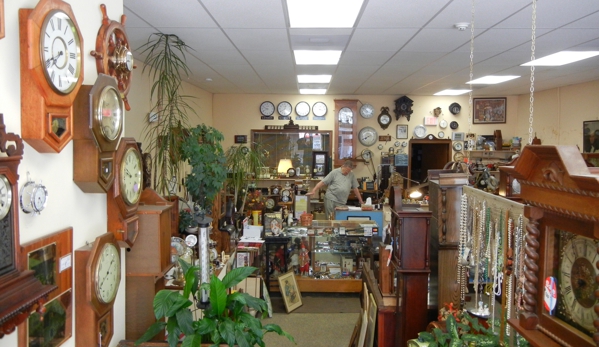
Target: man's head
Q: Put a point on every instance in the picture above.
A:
(347, 167)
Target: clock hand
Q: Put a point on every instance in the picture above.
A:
(54, 59)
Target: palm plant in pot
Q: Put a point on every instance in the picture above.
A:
(225, 321)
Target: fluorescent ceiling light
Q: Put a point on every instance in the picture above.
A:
(453, 92)
(314, 78)
(303, 57)
(561, 58)
(323, 13)
(492, 79)
(312, 91)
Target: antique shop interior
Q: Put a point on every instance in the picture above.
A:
(160, 163)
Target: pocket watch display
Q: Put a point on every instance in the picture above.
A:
(368, 136)
(33, 197)
(319, 109)
(284, 108)
(302, 109)
(384, 118)
(367, 111)
(419, 131)
(267, 108)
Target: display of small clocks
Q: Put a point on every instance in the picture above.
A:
(368, 136)
(284, 108)
(419, 131)
(275, 190)
(286, 195)
(267, 108)
(367, 111)
(319, 109)
(458, 146)
(302, 109)
(442, 124)
(33, 197)
(384, 118)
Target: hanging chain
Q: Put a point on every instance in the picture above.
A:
(532, 70)
(470, 142)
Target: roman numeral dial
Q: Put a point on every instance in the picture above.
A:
(131, 176)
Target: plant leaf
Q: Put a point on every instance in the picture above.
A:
(227, 331)
(242, 339)
(192, 341)
(277, 329)
(172, 327)
(254, 324)
(206, 326)
(237, 275)
(152, 331)
(185, 320)
(218, 295)
(166, 300)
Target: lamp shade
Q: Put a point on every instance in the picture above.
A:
(284, 165)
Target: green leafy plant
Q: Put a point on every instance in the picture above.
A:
(166, 65)
(458, 334)
(243, 167)
(185, 219)
(226, 320)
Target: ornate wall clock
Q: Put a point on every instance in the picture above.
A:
(403, 107)
(560, 195)
(98, 124)
(113, 54)
(123, 199)
(21, 291)
(51, 73)
(97, 279)
(384, 118)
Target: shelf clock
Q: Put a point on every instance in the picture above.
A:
(98, 124)
(21, 292)
(560, 194)
(97, 279)
(123, 198)
(113, 54)
(51, 74)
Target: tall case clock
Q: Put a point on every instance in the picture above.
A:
(561, 195)
(51, 74)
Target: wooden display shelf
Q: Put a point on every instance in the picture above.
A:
(311, 285)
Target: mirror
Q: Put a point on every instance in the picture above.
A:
(297, 145)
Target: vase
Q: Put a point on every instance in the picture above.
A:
(257, 217)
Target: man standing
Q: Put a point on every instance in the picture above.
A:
(339, 183)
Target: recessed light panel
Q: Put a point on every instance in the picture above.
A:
(492, 79)
(561, 58)
(305, 57)
(313, 78)
(323, 13)
(453, 92)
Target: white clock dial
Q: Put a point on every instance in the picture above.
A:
(302, 108)
(39, 198)
(270, 203)
(267, 108)
(61, 52)
(346, 115)
(130, 176)
(5, 196)
(108, 273)
(458, 146)
(319, 109)
(368, 136)
(419, 131)
(110, 113)
(442, 124)
(385, 119)
(367, 111)
(284, 108)
(441, 134)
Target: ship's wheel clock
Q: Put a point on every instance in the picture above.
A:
(51, 74)
(403, 107)
(561, 276)
(113, 54)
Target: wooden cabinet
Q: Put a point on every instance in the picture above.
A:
(139, 304)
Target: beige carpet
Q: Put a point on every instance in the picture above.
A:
(320, 304)
(312, 329)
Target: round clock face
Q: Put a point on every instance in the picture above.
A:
(419, 131)
(454, 125)
(129, 60)
(191, 240)
(346, 115)
(291, 172)
(319, 109)
(455, 108)
(384, 120)
(267, 108)
(441, 134)
(367, 111)
(367, 154)
(458, 156)
(397, 144)
(302, 109)
(110, 113)
(380, 147)
(270, 203)
(285, 193)
(107, 273)
(368, 136)
(60, 47)
(404, 144)
(442, 124)
(130, 176)
(275, 190)
(577, 284)
(39, 198)
(284, 108)
(458, 146)
(5, 196)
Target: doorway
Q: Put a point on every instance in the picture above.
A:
(427, 154)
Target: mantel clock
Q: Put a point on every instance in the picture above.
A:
(561, 196)
(51, 74)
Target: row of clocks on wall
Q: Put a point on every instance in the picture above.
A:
(284, 109)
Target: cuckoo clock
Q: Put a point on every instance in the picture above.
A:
(403, 107)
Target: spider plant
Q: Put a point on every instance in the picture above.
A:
(166, 65)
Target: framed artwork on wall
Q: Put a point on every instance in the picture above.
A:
(320, 163)
(590, 140)
(489, 110)
(402, 131)
(241, 139)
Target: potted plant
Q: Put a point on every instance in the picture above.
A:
(225, 321)
(186, 220)
(166, 65)
(243, 167)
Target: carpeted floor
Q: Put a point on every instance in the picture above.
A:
(320, 304)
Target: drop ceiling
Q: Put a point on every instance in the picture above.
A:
(395, 48)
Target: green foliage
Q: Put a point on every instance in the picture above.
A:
(203, 152)
(226, 320)
(166, 65)
(460, 334)
(243, 166)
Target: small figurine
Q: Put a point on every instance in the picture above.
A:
(304, 261)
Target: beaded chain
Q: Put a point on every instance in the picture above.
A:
(463, 261)
(519, 267)
(509, 295)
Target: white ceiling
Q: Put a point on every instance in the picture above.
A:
(396, 47)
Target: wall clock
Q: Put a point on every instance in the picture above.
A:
(99, 113)
(51, 73)
(33, 197)
(458, 146)
(561, 243)
(455, 108)
(384, 118)
(403, 107)
(367, 111)
(368, 136)
(267, 108)
(123, 198)
(442, 124)
(419, 131)
(21, 290)
(284, 109)
(319, 109)
(302, 109)
(113, 54)
(367, 155)
(97, 280)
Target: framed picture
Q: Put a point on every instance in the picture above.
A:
(402, 131)
(241, 138)
(243, 259)
(590, 139)
(291, 294)
(489, 110)
(320, 163)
